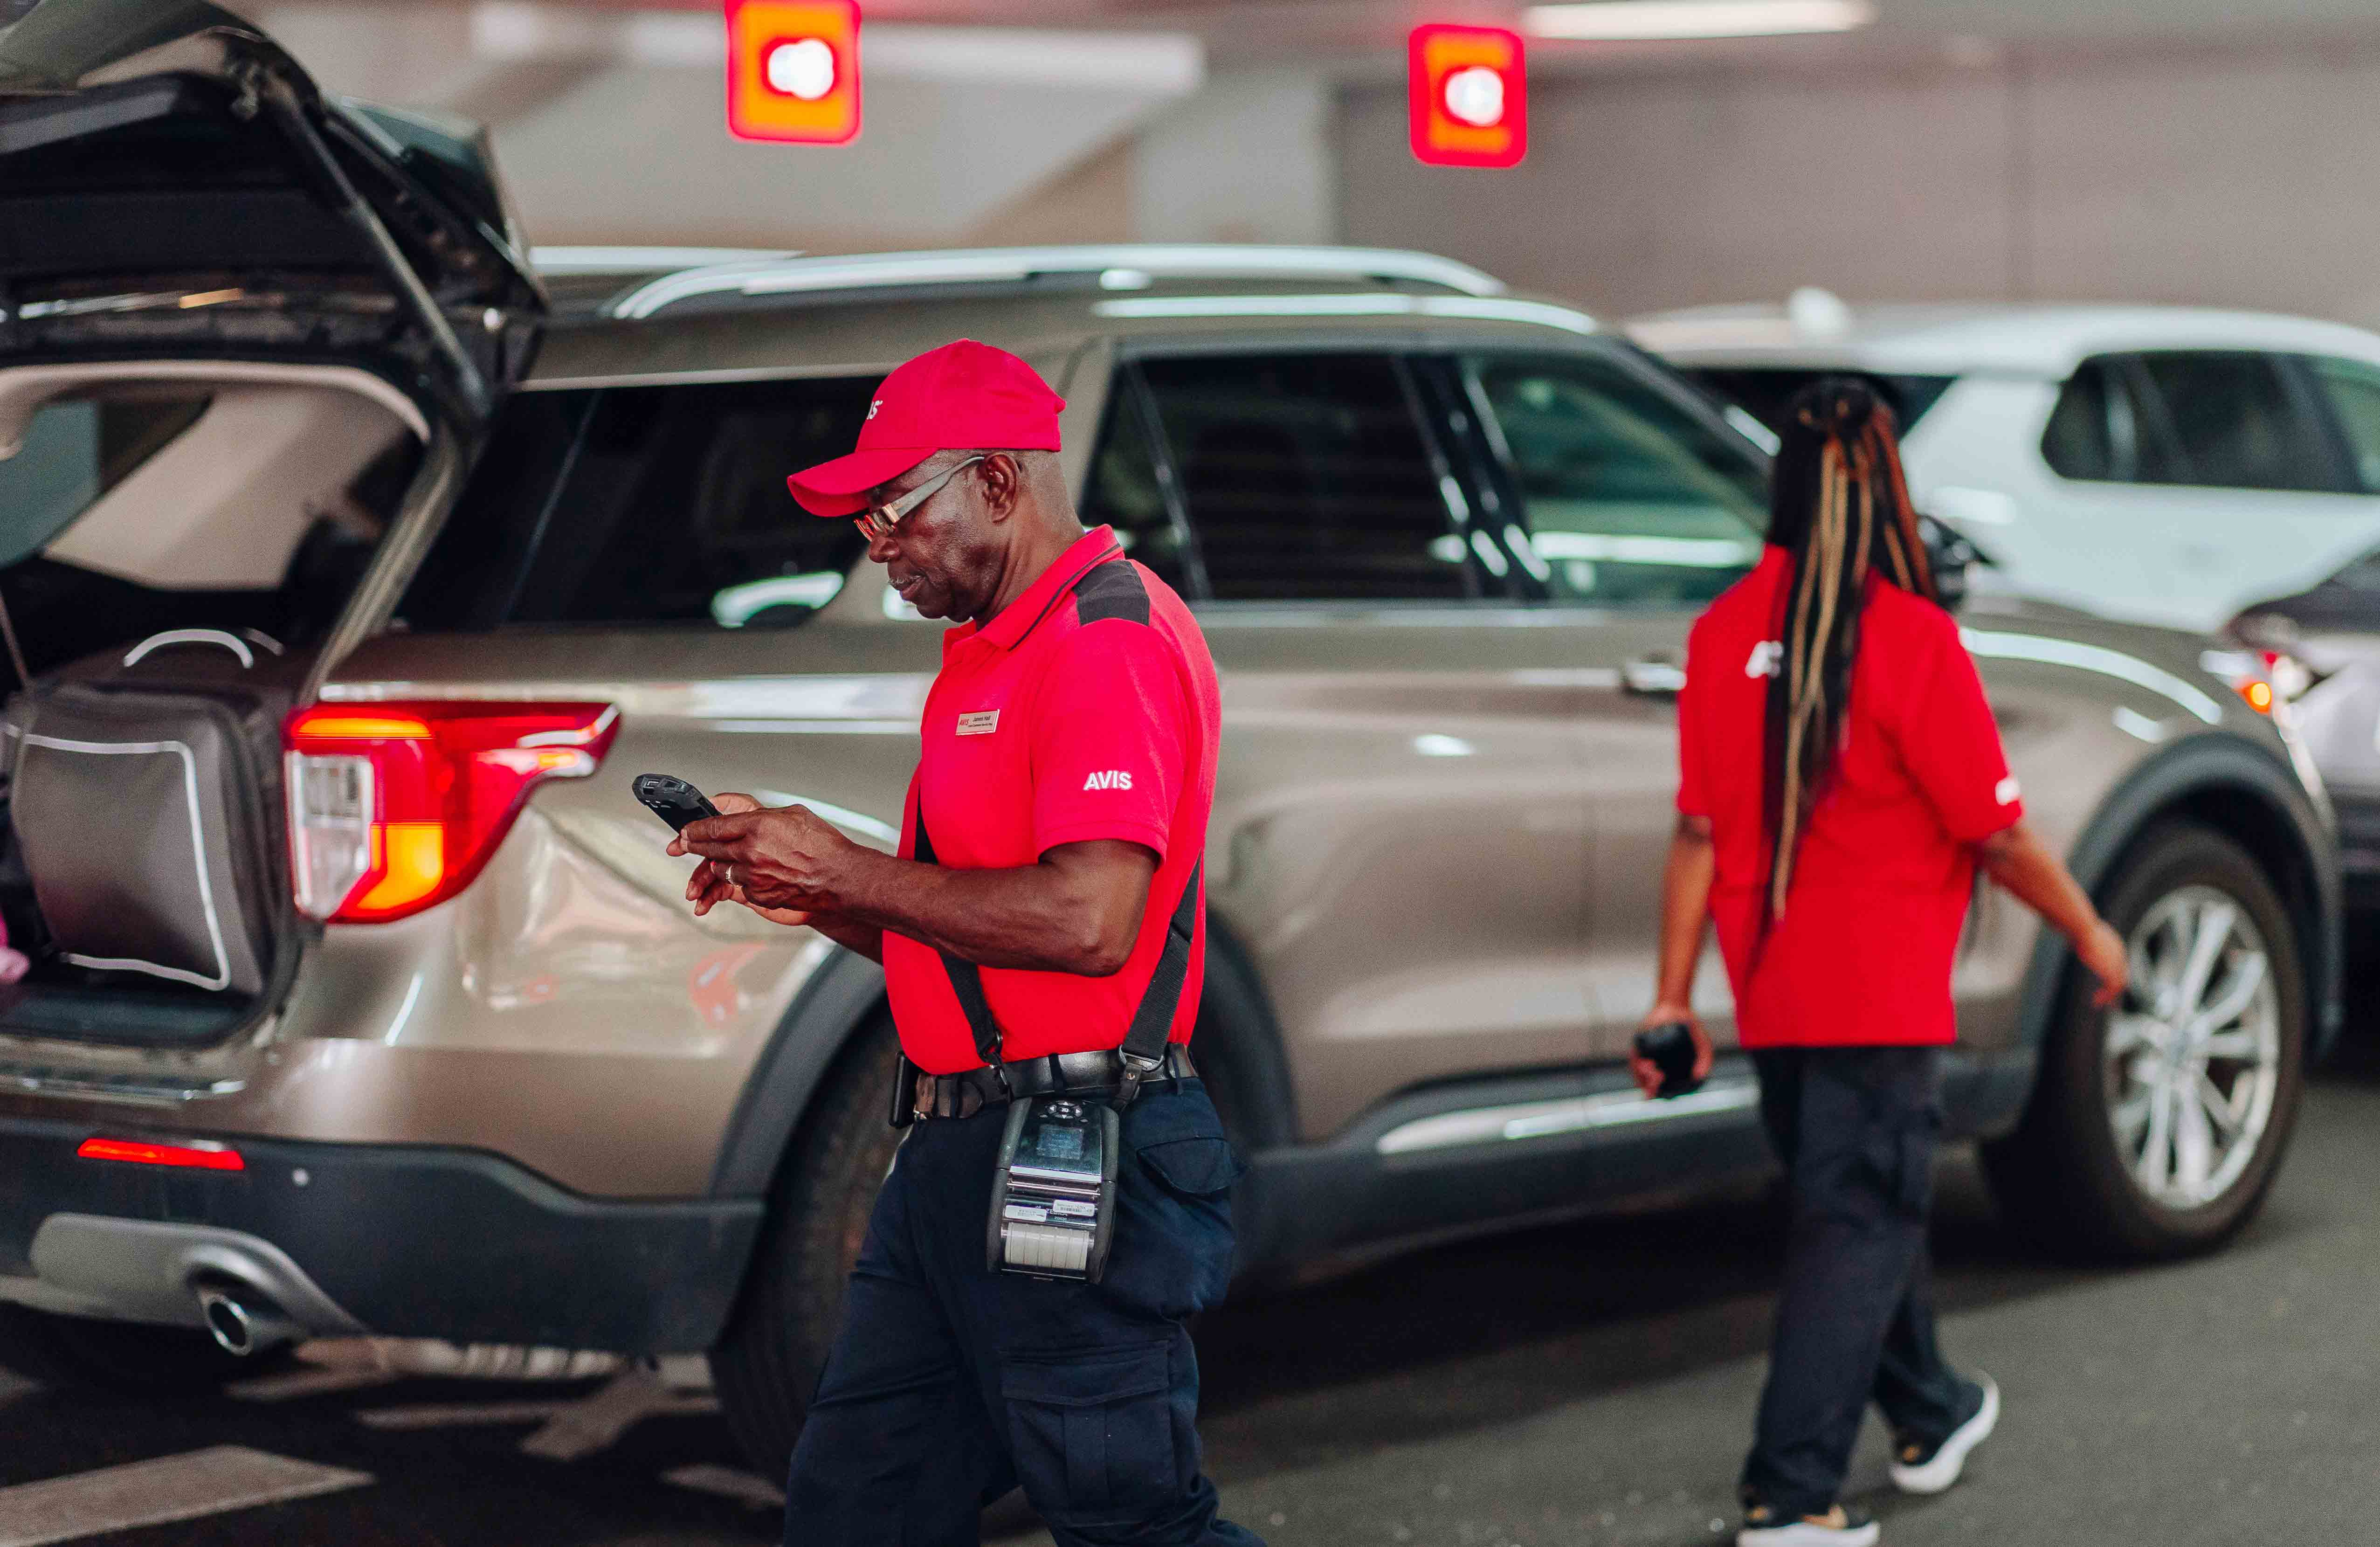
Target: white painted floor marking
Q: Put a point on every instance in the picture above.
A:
(210, 1482)
(291, 1385)
(596, 1423)
(745, 1488)
(450, 1415)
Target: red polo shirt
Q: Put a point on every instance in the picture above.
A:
(1862, 954)
(1087, 709)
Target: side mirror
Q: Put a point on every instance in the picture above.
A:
(1951, 556)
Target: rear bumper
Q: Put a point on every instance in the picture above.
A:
(398, 1240)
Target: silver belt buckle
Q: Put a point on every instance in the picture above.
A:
(1136, 1069)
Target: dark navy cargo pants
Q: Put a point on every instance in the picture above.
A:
(1856, 1129)
(950, 1383)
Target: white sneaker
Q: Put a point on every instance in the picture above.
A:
(1914, 1471)
(1836, 1527)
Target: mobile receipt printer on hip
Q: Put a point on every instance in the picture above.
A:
(1053, 1187)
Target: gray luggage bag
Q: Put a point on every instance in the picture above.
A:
(141, 819)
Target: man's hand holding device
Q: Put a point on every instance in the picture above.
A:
(740, 857)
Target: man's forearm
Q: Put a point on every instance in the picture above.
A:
(852, 934)
(1042, 918)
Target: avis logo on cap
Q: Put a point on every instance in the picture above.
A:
(963, 396)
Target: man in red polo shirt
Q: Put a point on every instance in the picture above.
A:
(1042, 931)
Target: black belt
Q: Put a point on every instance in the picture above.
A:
(970, 1091)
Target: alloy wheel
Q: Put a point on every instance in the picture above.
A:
(2192, 1054)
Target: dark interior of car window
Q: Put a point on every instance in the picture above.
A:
(2351, 388)
(76, 450)
(2108, 428)
(1123, 492)
(645, 506)
(1766, 392)
(1630, 497)
(2237, 424)
(1306, 478)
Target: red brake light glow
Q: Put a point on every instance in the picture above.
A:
(190, 1156)
(395, 808)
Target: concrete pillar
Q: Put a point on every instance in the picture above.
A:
(1249, 159)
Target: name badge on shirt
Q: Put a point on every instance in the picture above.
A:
(983, 722)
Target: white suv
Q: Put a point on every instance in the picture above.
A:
(2158, 464)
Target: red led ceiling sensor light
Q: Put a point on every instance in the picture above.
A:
(1470, 97)
(793, 70)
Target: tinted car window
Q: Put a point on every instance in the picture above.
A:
(648, 506)
(2236, 424)
(1124, 490)
(1630, 497)
(1766, 392)
(2101, 432)
(1306, 477)
(2352, 390)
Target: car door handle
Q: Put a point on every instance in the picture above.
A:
(1653, 677)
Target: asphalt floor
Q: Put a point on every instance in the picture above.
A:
(1588, 1383)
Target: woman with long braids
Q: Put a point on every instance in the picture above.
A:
(1841, 781)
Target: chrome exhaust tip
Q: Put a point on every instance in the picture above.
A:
(243, 1325)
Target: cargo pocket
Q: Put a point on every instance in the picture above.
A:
(1092, 1432)
(1903, 1161)
(1182, 1144)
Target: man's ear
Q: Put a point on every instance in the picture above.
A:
(1003, 485)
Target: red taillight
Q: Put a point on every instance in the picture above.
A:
(395, 807)
(211, 1157)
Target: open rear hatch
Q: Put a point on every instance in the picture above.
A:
(251, 338)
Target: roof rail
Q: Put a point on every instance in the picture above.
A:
(1118, 268)
(644, 260)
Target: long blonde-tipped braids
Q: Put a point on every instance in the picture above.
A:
(1841, 510)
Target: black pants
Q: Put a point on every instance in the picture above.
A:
(1856, 1129)
(950, 1383)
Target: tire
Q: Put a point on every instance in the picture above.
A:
(2077, 1174)
(127, 1358)
(766, 1364)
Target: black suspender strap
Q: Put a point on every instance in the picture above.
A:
(966, 977)
(1152, 1023)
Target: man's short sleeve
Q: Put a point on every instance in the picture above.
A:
(1945, 734)
(1109, 729)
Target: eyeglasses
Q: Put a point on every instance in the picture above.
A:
(878, 521)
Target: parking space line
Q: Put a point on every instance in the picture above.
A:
(448, 1415)
(596, 1423)
(210, 1482)
(745, 1488)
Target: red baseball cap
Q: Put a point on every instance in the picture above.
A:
(965, 396)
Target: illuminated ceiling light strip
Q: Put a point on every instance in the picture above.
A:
(1169, 64)
(1644, 20)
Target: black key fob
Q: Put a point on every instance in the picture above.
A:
(1670, 1047)
(673, 801)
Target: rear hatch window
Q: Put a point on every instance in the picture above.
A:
(1766, 392)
